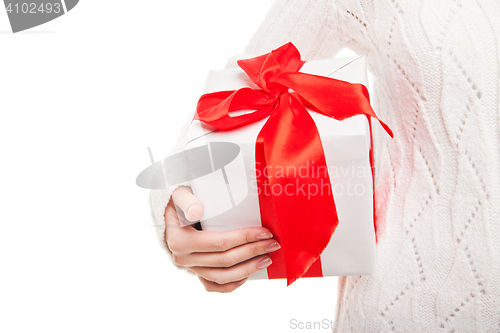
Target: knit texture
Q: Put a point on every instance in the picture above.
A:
(436, 69)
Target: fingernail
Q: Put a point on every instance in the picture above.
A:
(190, 210)
(273, 247)
(264, 263)
(242, 281)
(265, 235)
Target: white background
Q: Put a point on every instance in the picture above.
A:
(80, 99)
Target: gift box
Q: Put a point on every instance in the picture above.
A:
(263, 150)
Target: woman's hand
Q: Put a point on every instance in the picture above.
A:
(222, 260)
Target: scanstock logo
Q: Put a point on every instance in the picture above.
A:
(26, 14)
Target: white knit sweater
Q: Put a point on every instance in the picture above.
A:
(436, 68)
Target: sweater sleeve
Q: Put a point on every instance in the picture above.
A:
(311, 25)
(159, 198)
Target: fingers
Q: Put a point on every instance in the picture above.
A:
(190, 205)
(188, 240)
(227, 258)
(222, 260)
(234, 273)
(221, 288)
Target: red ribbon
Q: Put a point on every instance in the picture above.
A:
(301, 223)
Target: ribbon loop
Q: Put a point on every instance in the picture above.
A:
(261, 69)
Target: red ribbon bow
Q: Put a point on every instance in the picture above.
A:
(289, 140)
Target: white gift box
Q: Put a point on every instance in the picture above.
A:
(221, 166)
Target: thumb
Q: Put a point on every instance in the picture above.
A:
(190, 205)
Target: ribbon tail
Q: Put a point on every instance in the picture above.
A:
(300, 187)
